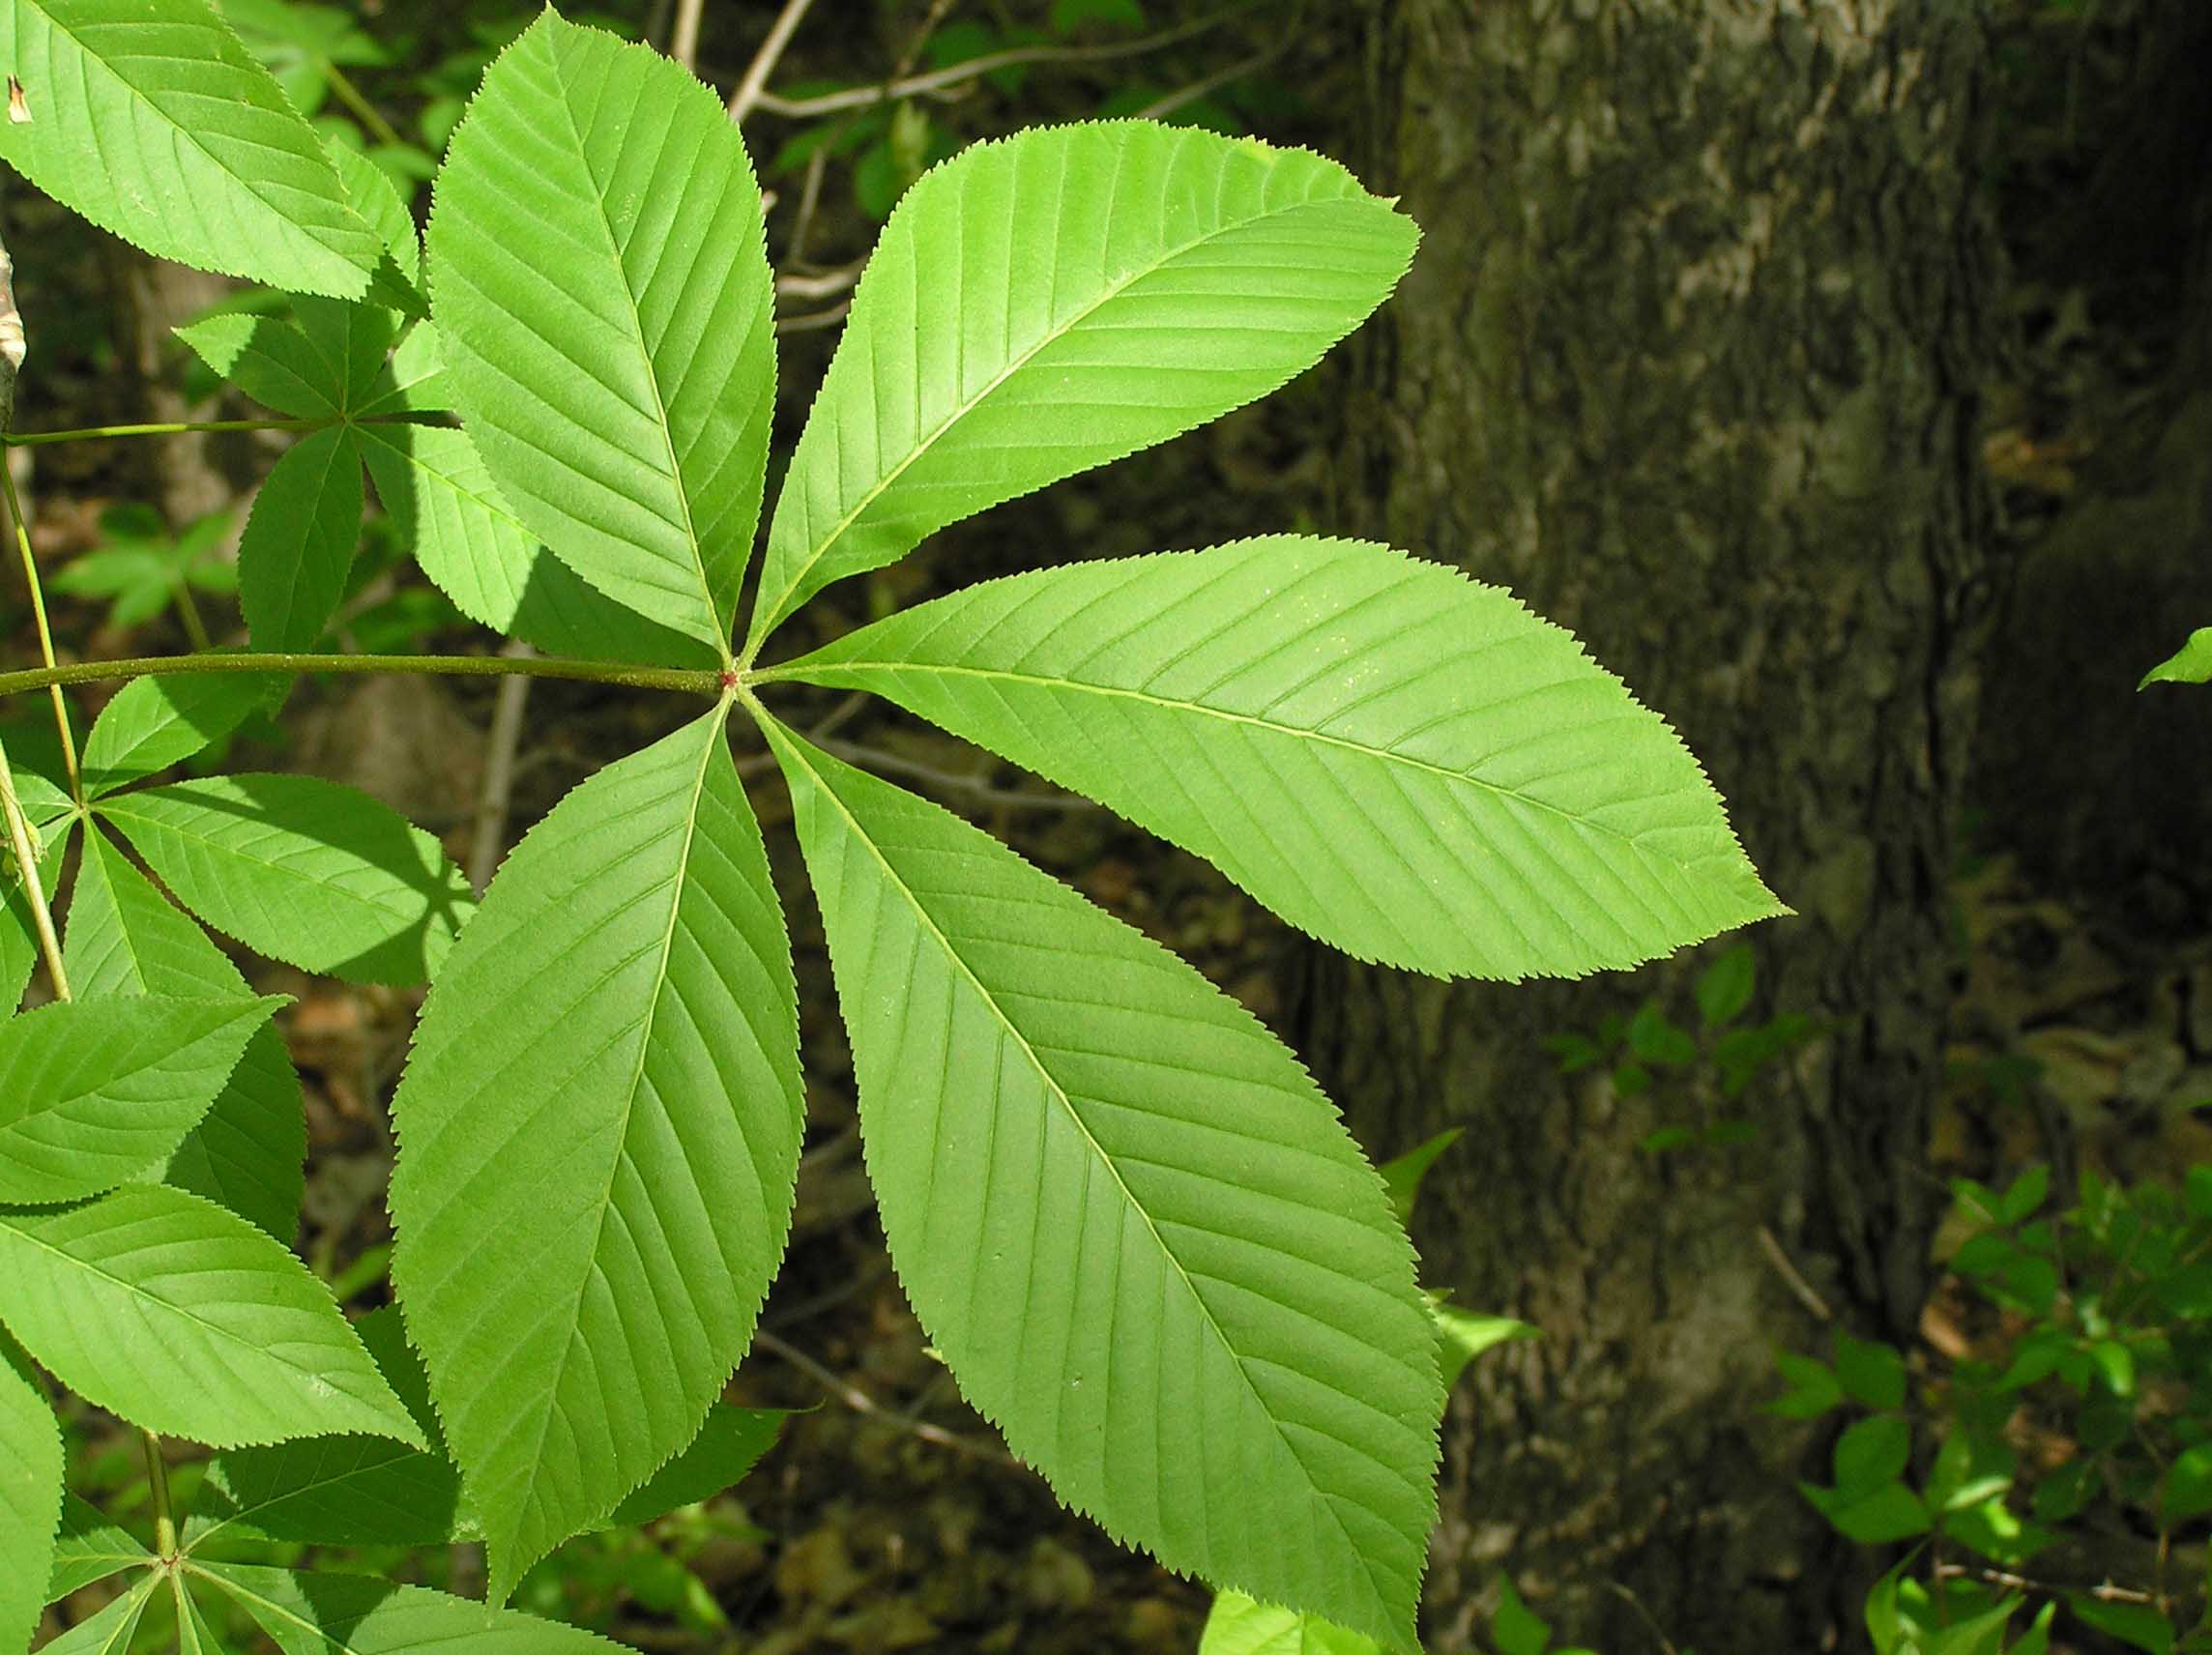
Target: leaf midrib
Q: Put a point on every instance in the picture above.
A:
(768, 616)
(1384, 755)
(1052, 1083)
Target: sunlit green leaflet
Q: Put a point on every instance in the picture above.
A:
(30, 1496)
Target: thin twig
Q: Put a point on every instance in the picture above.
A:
(1665, 1644)
(807, 321)
(751, 91)
(46, 632)
(875, 758)
(684, 38)
(907, 58)
(1788, 1271)
(803, 221)
(938, 80)
(498, 794)
(1198, 89)
(2103, 1592)
(821, 284)
(860, 1401)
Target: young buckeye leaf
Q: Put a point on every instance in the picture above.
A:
(357, 1614)
(599, 1122)
(153, 122)
(182, 1318)
(109, 1632)
(599, 279)
(125, 938)
(1404, 763)
(1047, 303)
(1140, 1236)
(155, 722)
(1239, 1626)
(93, 1091)
(319, 876)
(299, 542)
(30, 1496)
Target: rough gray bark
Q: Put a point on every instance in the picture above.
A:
(1689, 360)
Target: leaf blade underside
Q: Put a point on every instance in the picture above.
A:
(1146, 1244)
(608, 339)
(630, 961)
(155, 123)
(183, 1318)
(1403, 763)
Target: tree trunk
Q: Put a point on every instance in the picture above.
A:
(1689, 360)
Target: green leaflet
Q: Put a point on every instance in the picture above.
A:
(269, 359)
(1239, 1626)
(155, 722)
(320, 876)
(195, 1637)
(608, 335)
(125, 938)
(413, 379)
(471, 544)
(94, 1091)
(2192, 663)
(728, 1446)
(1462, 1335)
(299, 542)
(600, 1122)
(182, 1318)
(153, 122)
(1138, 1232)
(1047, 303)
(89, 1548)
(352, 341)
(110, 1631)
(356, 1614)
(343, 1491)
(31, 1471)
(1404, 763)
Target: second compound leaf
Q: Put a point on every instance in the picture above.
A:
(600, 1122)
(1141, 1238)
(183, 1318)
(319, 876)
(324, 1613)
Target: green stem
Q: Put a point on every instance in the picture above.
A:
(45, 633)
(350, 94)
(163, 428)
(18, 829)
(688, 681)
(164, 1518)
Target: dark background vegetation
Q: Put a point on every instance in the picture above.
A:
(1840, 372)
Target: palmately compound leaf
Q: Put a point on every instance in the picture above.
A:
(153, 122)
(155, 722)
(601, 1124)
(110, 1631)
(319, 876)
(1047, 303)
(299, 542)
(1400, 761)
(90, 1547)
(182, 1318)
(324, 1613)
(1239, 1626)
(125, 938)
(600, 283)
(95, 1092)
(30, 1496)
(1140, 1235)
(471, 544)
